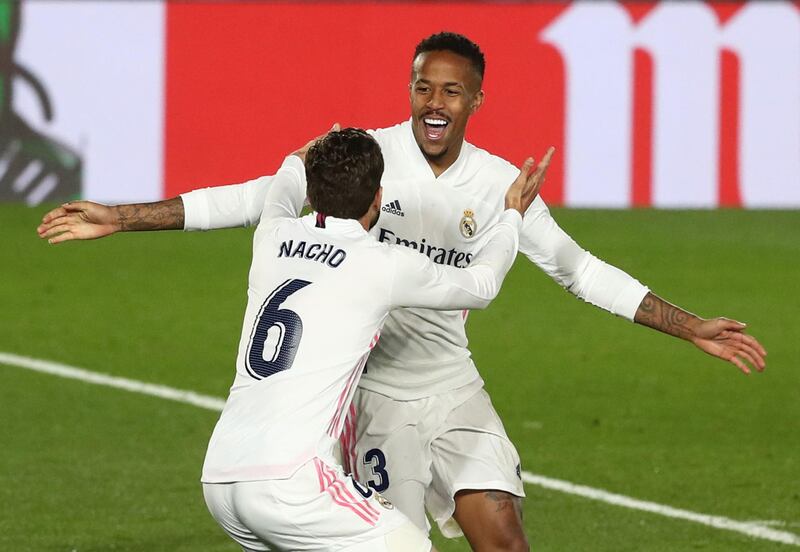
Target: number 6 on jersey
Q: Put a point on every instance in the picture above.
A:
(276, 333)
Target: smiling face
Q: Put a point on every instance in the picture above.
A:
(445, 91)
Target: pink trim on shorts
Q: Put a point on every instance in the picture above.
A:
(348, 443)
(319, 474)
(341, 488)
(341, 495)
(375, 340)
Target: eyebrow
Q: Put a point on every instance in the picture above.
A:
(451, 83)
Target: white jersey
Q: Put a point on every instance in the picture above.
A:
(446, 219)
(319, 292)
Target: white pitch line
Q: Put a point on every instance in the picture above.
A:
(751, 529)
(65, 371)
(747, 528)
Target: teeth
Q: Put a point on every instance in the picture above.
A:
(435, 122)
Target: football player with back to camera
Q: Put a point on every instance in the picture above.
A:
(319, 290)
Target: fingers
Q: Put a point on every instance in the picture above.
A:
(55, 213)
(301, 153)
(63, 229)
(72, 226)
(739, 364)
(545, 162)
(56, 229)
(335, 128)
(64, 209)
(46, 230)
(746, 346)
(526, 186)
(522, 182)
(538, 176)
(65, 236)
(745, 355)
(736, 349)
(751, 354)
(753, 342)
(525, 169)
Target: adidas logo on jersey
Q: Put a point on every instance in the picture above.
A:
(393, 207)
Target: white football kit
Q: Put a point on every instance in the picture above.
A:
(421, 428)
(320, 289)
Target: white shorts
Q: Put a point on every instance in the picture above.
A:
(318, 509)
(420, 453)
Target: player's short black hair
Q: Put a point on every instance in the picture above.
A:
(343, 171)
(456, 43)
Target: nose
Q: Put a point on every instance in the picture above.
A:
(435, 101)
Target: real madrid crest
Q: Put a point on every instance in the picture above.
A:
(468, 226)
(384, 502)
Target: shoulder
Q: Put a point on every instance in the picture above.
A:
(488, 172)
(280, 227)
(389, 136)
(490, 162)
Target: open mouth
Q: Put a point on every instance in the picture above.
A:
(435, 127)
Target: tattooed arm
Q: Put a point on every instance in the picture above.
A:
(719, 337)
(86, 220)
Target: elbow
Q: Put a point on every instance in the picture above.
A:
(579, 280)
(490, 295)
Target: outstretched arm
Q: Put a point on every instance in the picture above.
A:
(86, 220)
(719, 337)
(229, 206)
(607, 287)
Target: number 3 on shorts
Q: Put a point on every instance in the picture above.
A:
(375, 460)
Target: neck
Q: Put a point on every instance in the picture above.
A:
(441, 163)
(366, 222)
(438, 168)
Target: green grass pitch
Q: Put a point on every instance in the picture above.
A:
(586, 397)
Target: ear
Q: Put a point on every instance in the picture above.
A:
(376, 203)
(477, 102)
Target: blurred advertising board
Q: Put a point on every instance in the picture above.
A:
(666, 104)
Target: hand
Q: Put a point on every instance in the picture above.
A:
(301, 153)
(725, 339)
(78, 220)
(526, 187)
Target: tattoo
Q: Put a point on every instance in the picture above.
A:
(161, 215)
(656, 313)
(504, 501)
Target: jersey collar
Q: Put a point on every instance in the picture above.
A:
(416, 157)
(334, 226)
